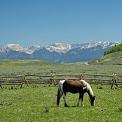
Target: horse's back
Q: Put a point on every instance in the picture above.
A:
(73, 82)
(73, 86)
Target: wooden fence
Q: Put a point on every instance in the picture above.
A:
(11, 80)
(19, 80)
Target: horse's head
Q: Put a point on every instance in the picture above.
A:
(92, 100)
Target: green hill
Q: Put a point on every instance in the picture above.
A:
(115, 48)
(112, 58)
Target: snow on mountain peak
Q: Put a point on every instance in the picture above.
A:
(103, 44)
(59, 47)
(15, 47)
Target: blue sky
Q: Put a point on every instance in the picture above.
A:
(31, 22)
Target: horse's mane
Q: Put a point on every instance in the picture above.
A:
(87, 86)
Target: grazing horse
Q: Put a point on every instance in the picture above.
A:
(74, 86)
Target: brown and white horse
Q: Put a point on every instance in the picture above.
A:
(74, 86)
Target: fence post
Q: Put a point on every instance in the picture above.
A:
(114, 80)
(25, 81)
(52, 79)
(22, 81)
(1, 85)
(81, 77)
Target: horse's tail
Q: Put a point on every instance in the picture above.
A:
(60, 91)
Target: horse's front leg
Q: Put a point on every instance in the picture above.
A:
(79, 99)
(82, 100)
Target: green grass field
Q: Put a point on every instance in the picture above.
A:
(112, 58)
(41, 67)
(38, 104)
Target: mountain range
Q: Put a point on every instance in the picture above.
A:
(57, 52)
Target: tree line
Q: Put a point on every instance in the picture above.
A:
(115, 48)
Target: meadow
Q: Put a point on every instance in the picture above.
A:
(42, 67)
(37, 103)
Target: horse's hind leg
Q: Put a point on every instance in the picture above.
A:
(59, 94)
(64, 97)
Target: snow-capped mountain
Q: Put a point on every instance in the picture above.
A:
(59, 47)
(57, 52)
(102, 44)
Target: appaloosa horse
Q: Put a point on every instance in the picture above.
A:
(74, 86)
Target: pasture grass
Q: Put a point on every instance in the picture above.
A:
(41, 67)
(38, 104)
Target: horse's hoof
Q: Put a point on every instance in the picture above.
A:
(66, 105)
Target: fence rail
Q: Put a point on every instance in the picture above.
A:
(54, 78)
